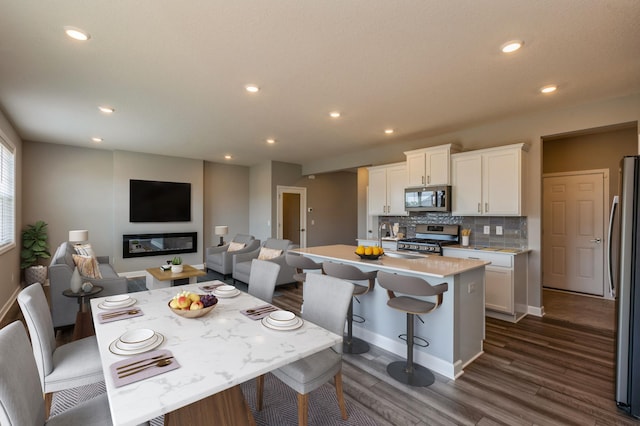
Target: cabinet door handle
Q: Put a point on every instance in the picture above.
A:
(596, 240)
(422, 179)
(486, 207)
(479, 207)
(429, 179)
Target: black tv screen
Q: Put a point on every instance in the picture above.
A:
(153, 201)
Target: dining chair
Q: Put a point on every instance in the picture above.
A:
(262, 281)
(326, 301)
(21, 402)
(68, 366)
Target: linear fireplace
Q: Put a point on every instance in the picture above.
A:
(141, 245)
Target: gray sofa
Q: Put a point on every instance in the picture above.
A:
(221, 260)
(242, 262)
(63, 308)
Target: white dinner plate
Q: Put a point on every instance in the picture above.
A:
(226, 294)
(137, 339)
(294, 326)
(114, 347)
(116, 300)
(131, 302)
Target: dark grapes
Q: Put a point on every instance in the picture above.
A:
(208, 300)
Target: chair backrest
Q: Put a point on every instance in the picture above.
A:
(326, 302)
(262, 279)
(243, 238)
(277, 244)
(301, 262)
(349, 273)
(413, 286)
(35, 309)
(21, 401)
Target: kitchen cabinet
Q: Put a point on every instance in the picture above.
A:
(505, 281)
(386, 189)
(429, 166)
(489, 181)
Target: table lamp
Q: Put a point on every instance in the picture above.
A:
(221, 231)
(78, 236)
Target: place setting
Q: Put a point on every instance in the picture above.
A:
(143, 367)
(136, 341)
(225, 291)
(259, 312)
(282, 321)
(119, 307)
(209, 287)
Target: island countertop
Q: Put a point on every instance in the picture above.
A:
(430, 265)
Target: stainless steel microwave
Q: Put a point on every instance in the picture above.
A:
(428, 199)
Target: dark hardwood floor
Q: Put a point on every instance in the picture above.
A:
(541, 371)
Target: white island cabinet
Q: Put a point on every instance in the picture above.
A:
(489, 181)
(505, 279)
(386, 190)
(455, 331)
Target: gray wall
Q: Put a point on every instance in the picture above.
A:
(260, 200)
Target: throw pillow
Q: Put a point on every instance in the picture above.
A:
(233, 246)
(87, 266)
(84, 250)
(267, 253)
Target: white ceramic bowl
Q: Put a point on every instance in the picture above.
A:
(226, 289)
(282, 318)
(120, 300)
(136, 339)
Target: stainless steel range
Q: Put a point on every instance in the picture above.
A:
(431, 238)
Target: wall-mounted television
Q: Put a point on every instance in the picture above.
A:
(154, 201)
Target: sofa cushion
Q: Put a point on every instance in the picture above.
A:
(87, 266)
(267, 253)
(84, 250)
(233, 246)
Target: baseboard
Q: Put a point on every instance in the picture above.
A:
(9, 303)
(534, 310)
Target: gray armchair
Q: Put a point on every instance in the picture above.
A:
(64, 309)
(242, 262)
(220, 259)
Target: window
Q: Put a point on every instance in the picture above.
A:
(7, 196)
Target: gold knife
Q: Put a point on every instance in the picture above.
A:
(157, 357)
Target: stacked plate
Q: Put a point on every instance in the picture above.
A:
(226, 291)
(282, 320)
(136, 342)
(117, 302)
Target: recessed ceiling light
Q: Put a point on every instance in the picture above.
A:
(511, 46)
(549, 89)
(106, 109)
(96, 139)
(227, 157)
(271, 141)
(77, 33)
(334, 114)
(388, 131)
(252, 88)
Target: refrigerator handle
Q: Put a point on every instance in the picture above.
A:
(614, 205)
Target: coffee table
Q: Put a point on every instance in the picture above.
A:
(157, 278)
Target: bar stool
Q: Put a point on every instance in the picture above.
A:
(352, 345)
(406, 371)
(300, 263)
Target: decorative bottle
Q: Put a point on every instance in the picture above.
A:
(76, 281)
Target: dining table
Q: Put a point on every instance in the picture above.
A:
(210, 356)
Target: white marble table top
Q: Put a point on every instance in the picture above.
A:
(216, 352)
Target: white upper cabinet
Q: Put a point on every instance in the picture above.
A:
(429, 166)
(386, 189)
(489, 181)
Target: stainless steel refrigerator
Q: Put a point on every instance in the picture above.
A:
(624, 273)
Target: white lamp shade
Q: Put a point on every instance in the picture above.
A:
(78, 235)
(221, 230)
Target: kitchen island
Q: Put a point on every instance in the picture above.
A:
(455, 330)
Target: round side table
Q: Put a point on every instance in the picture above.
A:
(84, 324)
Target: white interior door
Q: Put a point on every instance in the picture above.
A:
(292, 214)
(574, 231)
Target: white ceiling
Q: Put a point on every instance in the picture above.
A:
(175, 70)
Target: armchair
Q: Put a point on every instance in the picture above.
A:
(242, 262)
(220, 259)
(64, 309)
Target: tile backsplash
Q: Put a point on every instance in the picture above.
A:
(514, 229)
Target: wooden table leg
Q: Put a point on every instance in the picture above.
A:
(84, 326)
(226, 408)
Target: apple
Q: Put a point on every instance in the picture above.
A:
(196, 305)
(184, 302)
(174, 304)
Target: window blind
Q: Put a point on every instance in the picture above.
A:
(7, 194)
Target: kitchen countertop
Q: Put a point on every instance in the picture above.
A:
(430, 265)
(501, 250)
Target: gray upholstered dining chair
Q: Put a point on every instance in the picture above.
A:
(326, 300)
(21, 402)
(352, 345)
(71, 365)
(262, 281)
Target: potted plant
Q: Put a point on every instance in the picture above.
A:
(176, 265)
(34, 248)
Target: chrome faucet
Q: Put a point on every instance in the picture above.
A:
(383, 225)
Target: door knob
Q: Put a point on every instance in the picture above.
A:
(302, 230)
(596, 240)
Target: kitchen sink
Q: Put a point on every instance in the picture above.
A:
(404, 255)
